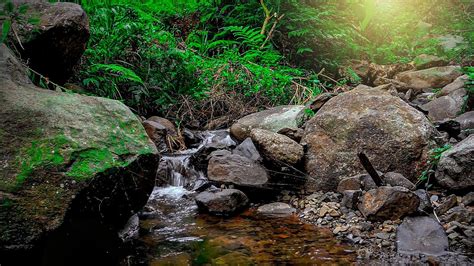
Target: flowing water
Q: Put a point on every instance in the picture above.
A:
(178, 235)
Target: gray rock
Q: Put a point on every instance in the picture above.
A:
(370, 118)
(395, 179)
(450, 42)
(431, 78)
(54, 45)
(445, 107)
(351, 198)
(160, 130)
(130, 230)
(248, 149)
(273, 119)
(224, 202)
(425, 202)
(277, 147)
(388, 203)
(421, 235)
(468, 199)
(276, 209)
(367, 182)
(232, 168)
(457, 84)
(466, 121)
(456, 167)
(448, 203)
(350, 183)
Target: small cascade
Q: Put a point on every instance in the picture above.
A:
(176, 169)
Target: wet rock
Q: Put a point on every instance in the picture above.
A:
(162, 132)
(226, 167)
(425, 61)
(224, 202)
(421, 235)
(456, 167)
(54, 46)
(373, 119)
(395, 179)
(425, 202)
(293, 133)
(388, 203)
(276, 209)
(457, 84)
(445, 107)
(430, 78)
(273, 119)
(66, 159)
(448, 203)
(468, 199)
(130, 230)
(351, 198)
(277, 147)
(248, 149)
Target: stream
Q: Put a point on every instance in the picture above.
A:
(173, 232)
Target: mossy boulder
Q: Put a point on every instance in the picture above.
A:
(65, 158)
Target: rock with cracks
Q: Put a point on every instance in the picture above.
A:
(388, 203)
(395, 137)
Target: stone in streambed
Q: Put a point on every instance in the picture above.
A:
(225, 167)
(395, 179)
(430, 78)
(276, 147)
(276, 209)
(388, 203)
(421, 235)
(274, 119)
(248, 149)
(224, 202)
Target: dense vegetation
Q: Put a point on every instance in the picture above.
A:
(208, 62)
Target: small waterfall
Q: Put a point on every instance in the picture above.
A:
(176, 169)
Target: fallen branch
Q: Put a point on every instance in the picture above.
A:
(364, 160)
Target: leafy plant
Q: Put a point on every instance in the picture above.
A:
(434, 157)
(13, 14)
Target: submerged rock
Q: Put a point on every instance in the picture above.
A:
(276, 147)
(388, 203)
(273, 119)
(394, 135)
(69, 163)
(456, 167)
(225, 167)
(54, 46)
(430, 78)
(421, 235)
(224, 202)
(276, 209)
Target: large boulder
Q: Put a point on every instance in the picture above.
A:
(273, 119)
(225, 167)
(54, 45)
(456, 166)
(224, 202)
(388, 203)
(276, 147)
(457, 84)
(431, 78)
(71, 166)
(395, 137)
(421, 235)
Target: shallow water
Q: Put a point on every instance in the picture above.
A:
(181, 236)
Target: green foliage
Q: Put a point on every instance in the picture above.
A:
(10, 14)
(151, 57)
(434, 157)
